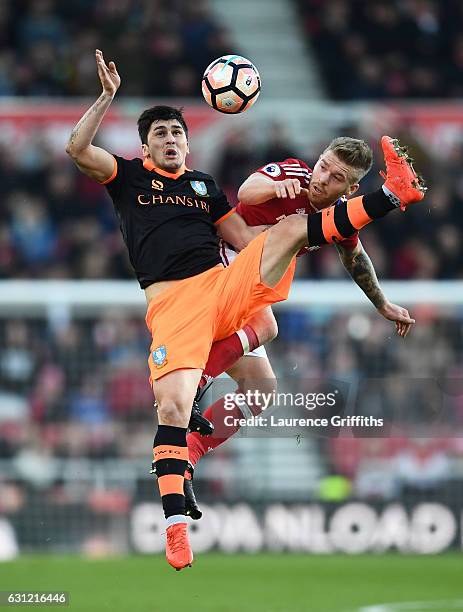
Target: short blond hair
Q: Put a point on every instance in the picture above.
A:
(355, 153)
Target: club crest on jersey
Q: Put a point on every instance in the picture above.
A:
(199, 187)
(160, 356)
(272, 170)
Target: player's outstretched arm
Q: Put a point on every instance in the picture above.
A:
(258, 189)
(91, 160)
(237, 232)
(361, 269)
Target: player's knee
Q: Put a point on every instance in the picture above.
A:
(172, 412)
(265, 326)
(268, 386)
(262, 396)
(270, 331)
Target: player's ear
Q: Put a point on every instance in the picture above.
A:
(145, 150)
(187, 147)
(352, 189)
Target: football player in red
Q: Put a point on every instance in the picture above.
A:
(270, 194)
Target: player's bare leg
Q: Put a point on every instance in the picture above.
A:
(174, 395)
(254, 374)
(283, 241)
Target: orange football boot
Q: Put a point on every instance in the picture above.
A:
(178, 549)
(400, 176)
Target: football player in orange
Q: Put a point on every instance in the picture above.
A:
(170, 218)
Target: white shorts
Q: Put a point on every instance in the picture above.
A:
(228, 254)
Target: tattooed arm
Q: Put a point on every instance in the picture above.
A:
(359, 266)
(361, 269)
(95, 161)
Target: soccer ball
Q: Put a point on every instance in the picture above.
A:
(231, 84)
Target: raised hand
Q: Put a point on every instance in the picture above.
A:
(110, 79)
(399, 315)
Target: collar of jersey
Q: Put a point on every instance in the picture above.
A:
(148, 164)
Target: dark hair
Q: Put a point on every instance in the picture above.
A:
(155, 113)
(355, 153)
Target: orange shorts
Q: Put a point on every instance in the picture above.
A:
(185, 319)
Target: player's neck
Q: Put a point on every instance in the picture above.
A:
(169, 172)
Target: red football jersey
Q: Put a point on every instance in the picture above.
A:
(276, 209)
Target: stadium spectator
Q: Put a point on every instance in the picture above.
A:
(44, 45)
(423, 465)
(426, 64)
(48, 397)
(19, 357)
(88, 405)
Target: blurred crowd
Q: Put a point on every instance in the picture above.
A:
(377, 49)
(47, 47)
(66, 384)
(397, 49)
(54, 222)
(366, 50)
(398, 468)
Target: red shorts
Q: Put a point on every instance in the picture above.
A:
(185, 319)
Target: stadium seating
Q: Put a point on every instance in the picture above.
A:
(375, 50)
(46, 47)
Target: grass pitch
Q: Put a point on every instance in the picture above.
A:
(242, 583)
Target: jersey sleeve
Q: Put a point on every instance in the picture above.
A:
(289, 168)
(118, 178)
(220, 209)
